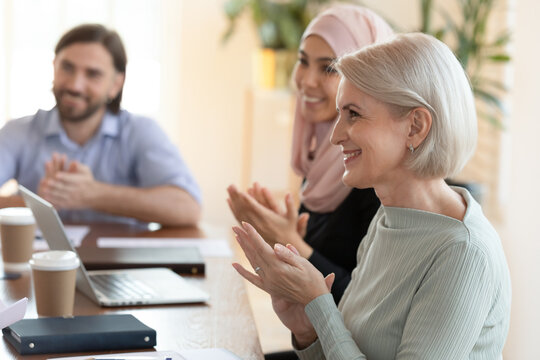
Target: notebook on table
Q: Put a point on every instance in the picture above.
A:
(50, 335)
(121, 287)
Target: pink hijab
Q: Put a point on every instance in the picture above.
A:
(345, 28)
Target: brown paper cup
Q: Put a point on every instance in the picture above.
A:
(54, 291)
(17, 232)
(54, 275)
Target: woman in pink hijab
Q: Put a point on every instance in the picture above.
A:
(334, 217)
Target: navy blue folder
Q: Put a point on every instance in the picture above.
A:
(79, 334)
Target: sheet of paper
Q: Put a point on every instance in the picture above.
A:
(146, 355)
(209, 354)
(75, 234)
(218, 247)
(12, 313)
(199, 354)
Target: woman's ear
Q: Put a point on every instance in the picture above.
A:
(420, 124)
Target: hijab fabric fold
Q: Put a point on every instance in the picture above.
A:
(345, 28)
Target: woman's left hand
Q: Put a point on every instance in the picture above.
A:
(291, 280)
(293, 316)
(279, 271)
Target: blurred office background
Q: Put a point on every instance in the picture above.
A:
(230, 131)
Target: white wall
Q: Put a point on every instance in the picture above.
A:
(214, 79)
(402, 15)
(522, 233)
(26, 64)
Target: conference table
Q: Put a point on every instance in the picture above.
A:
(225, 321)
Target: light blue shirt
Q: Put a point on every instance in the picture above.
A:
(127, 150)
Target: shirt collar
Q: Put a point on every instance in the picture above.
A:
(406, 218)
(53, 125)
(109, 125)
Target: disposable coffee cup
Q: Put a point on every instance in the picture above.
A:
(17, 231)
(53, 275)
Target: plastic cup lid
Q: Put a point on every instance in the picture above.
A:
(54, 260)
(16, 216)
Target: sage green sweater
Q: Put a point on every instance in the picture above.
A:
(426, 286)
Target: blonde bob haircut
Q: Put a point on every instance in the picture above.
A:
(416, 70)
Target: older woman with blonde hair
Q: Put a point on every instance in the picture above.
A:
(431, 280)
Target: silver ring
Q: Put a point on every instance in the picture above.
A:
(257, 269)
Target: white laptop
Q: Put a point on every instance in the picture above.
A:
(113, 287)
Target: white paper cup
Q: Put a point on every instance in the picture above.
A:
(54, 275)
(17, 231)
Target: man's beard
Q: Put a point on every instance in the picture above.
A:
(67, 112)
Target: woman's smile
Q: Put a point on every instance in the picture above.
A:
(349, 156)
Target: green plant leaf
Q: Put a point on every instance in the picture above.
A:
(492, 119)
(499, 58)
(258, 12)
(290, 32)
(439, 34)
(233, 8)
(268, 32)
(484, 83)
(468, 38)
(426, 10)
(503, 38)
(280, 24)
(489, 99)
(228, 33)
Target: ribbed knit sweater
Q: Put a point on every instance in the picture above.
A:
(426, 286)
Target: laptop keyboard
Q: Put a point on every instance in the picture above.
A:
(122, 286)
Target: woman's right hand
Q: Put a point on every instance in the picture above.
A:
(265, 198)
(259, 208)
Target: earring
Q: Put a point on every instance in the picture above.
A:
(411, 149)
